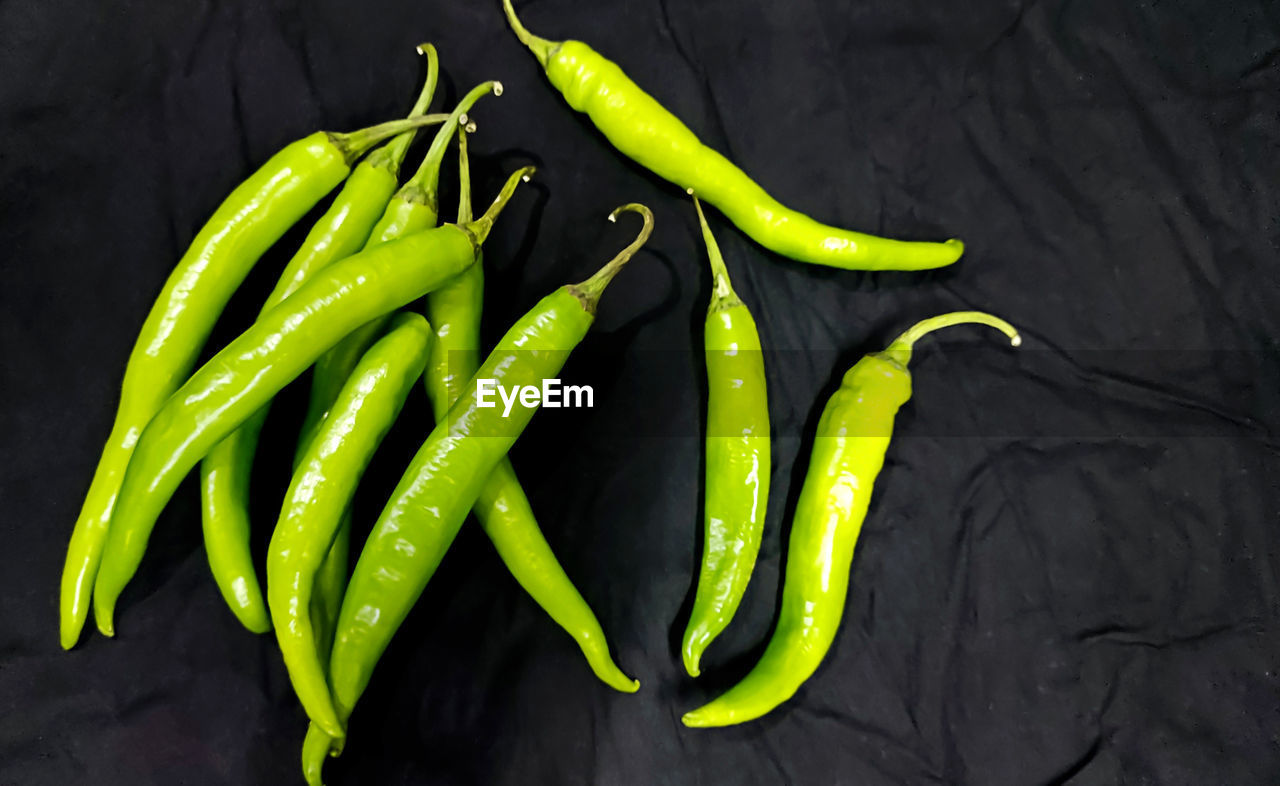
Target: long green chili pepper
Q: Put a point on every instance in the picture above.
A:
(321, 492)
(225, 473)
(848, 452)
(738, 459)
(502, 508)
(243, 227)
(428, 506)
(250, 370)
(414, 207)
(643, 130)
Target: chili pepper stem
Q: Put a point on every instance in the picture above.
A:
(588, 292)
(900, 349)
(542, 49)
(354, 144)
(425, 181)
(722, 293)
(396, 149)
(479, 228)
(464, 174)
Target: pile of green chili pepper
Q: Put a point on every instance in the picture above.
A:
(342, 308)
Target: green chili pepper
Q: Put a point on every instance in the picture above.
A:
(414, 207)
(321, 492)
(848, 452)
(738, 459)
(643, 130)
(443, 481)
(243, 227)
(502, 508)
(250, 370)
(225, 473)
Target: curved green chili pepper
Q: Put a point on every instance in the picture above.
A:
(428, 506)
(848, 452)
(321, 492)
(414, 207)
(644, 131)
(738, 459)
(502, 508)
(250, 370)
(225, 473)
(243, 227)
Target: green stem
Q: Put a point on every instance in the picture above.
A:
(480, 227)
(354, 144)
(900, 349)
(392, 156)
(542, 49)
(464, 178)
(722, 293)
(589, 291)
(424, 184)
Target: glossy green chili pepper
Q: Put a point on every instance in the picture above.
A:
(848, 452)
(225, 473)
(321, 492)
(243, 227)
(444, 480)
(643, 130)
(502, 508)
(738, 459)
(250, 370)
(415, 207)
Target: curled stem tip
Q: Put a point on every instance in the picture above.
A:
(589, 291)
(427, 176)
(721, 288)
(541, 47)
(901, 347)
(427, 48)
(480, 227)
(354, 144)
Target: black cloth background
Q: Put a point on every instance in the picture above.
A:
(1070, 569)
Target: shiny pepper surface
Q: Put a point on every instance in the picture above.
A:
(225, 473)
(848, 453)
(245, 225)
(255, 366)
(644, 131)
(738, 459)
(442, 482)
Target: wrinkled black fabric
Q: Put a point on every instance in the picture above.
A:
(1069, 572)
